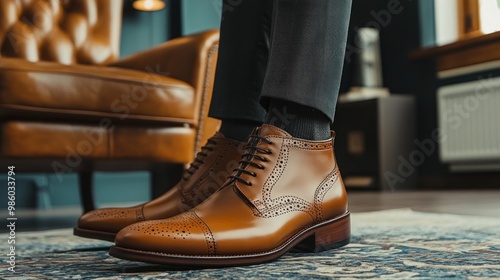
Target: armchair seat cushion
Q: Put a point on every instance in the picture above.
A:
(71, 141)
(46, 90)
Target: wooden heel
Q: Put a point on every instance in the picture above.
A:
(328, 236)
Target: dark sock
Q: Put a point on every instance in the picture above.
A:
(238, 130)
(300, 121)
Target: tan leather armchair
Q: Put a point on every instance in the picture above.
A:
(68, 105)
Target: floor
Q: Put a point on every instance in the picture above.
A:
(476, 203)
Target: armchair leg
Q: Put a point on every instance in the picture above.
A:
(86, 190)
(163, 178)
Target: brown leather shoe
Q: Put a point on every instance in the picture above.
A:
(286, 193)
(205, 175)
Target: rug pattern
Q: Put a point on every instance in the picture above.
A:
(399, 244)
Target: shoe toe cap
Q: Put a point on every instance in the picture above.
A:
(179, 235)
(108, 219)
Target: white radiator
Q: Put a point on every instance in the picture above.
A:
(469, 122)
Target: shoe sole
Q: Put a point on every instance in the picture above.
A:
(101, 235)
(324, 236)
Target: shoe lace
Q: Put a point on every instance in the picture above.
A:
(249, 159)
(199, 159)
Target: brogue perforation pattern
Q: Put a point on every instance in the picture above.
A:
(115, 213)
(269, 207)
(275, 176)
(273, 207)
(139, 213)
(176, 228)
(286, 204)
(209, 237)
(307, 145)
(179, 227)
(321, 191)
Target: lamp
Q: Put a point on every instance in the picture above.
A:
(148, 5)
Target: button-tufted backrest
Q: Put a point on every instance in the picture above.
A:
(64, 31)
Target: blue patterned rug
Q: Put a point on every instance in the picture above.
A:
(399, 244)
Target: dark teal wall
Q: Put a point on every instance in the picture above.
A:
(427, 23)
(142, 30)
(47, 190)
(198, 15)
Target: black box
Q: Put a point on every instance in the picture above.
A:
(374, 140)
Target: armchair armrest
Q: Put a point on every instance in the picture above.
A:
(183, 58)
(191, 59)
